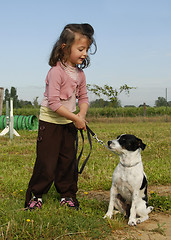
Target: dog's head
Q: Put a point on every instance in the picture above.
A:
(126, 142)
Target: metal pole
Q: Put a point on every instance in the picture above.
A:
(11, 124)
(7, 113)
(9, 121)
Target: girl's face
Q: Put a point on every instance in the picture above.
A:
(79, 50)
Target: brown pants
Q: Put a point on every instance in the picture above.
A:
(55, 162)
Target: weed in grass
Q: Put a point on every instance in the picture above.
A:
(117, 222)
(160, 229)
(160, 203)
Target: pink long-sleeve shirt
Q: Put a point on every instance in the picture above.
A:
(60, 87)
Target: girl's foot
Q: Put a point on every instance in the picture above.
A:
(35, 203)
(69, 203)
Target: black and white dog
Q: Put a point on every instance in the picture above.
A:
(128, 193)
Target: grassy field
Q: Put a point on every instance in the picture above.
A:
(17, 158)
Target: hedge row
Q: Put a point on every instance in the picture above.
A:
(128, 112)
(107, 111)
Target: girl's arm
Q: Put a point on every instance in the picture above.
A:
(79, 122)
(83, 110)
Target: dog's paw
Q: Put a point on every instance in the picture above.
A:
(138, 221)
(142, 219)
(108, 215)
(150, 208)
(132, 222)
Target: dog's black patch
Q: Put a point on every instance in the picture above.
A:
(144, 186)
(145, 198)
(144, 183)
(130, 142)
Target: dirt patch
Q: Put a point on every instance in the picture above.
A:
(105, 195)
(157, 227)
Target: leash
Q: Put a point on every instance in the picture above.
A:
(89, 134)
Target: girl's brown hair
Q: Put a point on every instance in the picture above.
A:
(67, 37)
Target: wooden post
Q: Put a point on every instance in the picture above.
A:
(166, 105)
(1, 99)
(144, 110)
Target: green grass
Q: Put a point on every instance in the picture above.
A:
(53, 222)
(161, 203)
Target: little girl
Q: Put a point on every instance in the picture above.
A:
(58, 124)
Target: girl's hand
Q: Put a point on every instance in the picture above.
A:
(78, 120)
(81, 115)
(80, 123)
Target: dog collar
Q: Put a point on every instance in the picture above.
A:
(124, 165)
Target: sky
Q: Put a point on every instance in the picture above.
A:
(133, 45)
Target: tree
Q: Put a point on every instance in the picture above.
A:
(7, 95)
(109, 92)
(35, 102)
(100, 103)
(14, 95)
(23, 103)
(17, 103)
(11, 94)
(161, 101)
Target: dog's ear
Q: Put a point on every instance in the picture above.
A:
(141, 144)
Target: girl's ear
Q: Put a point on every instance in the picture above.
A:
(63, 46)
